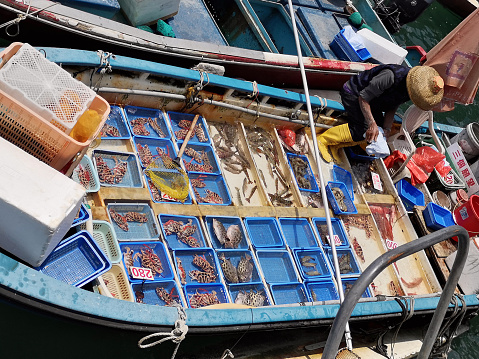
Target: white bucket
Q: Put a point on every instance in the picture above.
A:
(468, 140)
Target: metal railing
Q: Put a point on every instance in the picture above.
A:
(376, 267)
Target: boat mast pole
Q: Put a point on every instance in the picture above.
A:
(347, 333)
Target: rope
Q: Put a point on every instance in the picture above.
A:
(19, 18)
(227, 353)
(192, 94)
(104, 67)
(254, 95)
(176, 335)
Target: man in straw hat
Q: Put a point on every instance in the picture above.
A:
(371, 99)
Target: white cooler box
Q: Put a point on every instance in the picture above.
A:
(382, 49)
(37, 205)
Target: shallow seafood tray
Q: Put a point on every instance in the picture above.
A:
(312, 264)
(133, 113)
(116, 119)
(215, 191)
(348, 284)
(227, 223)
(86, 175)
(249, 289)
(348, 266)
(163, 293)
(105, 237)
(277, 266)
(158, 197)
(297, 232)
(322, 290)
(289, 293)
(115, 281)
(171, 225)
(146, 255)
(137, 231)
(81, 217)
(76, 261)
(176, 117)
(264, 232)
(234, 256)
(194, 161)
(205, 260)
(307, 177)
(320, 224)
(132, 176)
(200, 295)
(152, 144)
(345, 205)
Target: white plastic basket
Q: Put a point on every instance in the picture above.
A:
(45, 88)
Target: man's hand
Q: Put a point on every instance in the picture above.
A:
(372, 133)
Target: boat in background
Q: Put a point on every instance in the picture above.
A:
(262, 51)
(238, 117)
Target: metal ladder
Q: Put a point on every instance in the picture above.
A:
(376, 267)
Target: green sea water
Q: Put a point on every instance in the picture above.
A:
(430, 28)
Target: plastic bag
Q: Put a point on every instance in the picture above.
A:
(379, 147)
(354, 39)
(287, 135)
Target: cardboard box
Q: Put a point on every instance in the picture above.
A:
(37, 205)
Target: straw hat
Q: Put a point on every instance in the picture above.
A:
(425, 87)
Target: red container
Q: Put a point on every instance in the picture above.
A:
(467, 215)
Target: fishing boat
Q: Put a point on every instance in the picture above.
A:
(258, 202)
(259, 51)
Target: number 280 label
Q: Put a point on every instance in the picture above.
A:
(141, 273)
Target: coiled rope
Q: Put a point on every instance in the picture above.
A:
(176, 335)
(19, 18)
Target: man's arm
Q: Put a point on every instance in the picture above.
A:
(373, 131)
(388, 121)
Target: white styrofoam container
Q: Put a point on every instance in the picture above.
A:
(141, 12)
(382, 49)
(37, 205)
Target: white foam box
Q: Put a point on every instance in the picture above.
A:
(145, 12)
(37, 205)
(382, 49)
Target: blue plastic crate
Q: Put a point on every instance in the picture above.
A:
(409, 194)
(146, 293)
(352, 153)
(168, 224)
(77, 260)
(149, 249)
(320, 225)
(323, 290)
(136, 231)
(227, 222)
(277, 266)
(234, 256)
(344, 176)
(297, 232)
(153, 144)
(308, 175)
(176, 117)
(186, 258)
(348, 284)
(192, 164)
(213, 183)
(246, 288)
(156, 195)
(437, 217)
(264, 232)
(215, 291)
(116, 119)
(289, 293)
(348, 265)
(344, 51)
(92, 182)
(134, 113)
(306, 258)
(82, 216)
(132, 177)
(347, 200)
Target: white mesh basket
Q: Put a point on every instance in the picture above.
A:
(45, 88)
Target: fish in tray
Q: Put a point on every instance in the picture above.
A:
(230, 238)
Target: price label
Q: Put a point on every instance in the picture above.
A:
(167, 198)
(141, 273)
(391, 244)
(337, 240)
(449, 178)
(377, 184)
